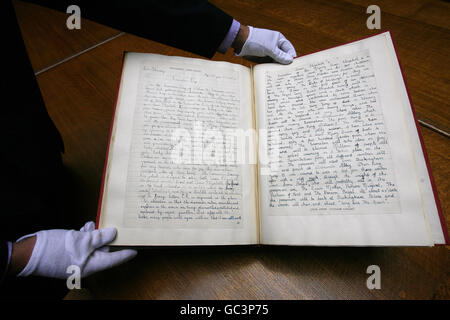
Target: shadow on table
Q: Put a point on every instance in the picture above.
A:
(198, 272)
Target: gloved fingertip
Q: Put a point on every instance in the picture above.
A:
(121, 256)
(281, 57)
(287, 47)
(109, 233)
(285, 59)
(129, 253)
(103, 236)
(88, 226)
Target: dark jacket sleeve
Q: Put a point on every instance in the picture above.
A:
(3, 259)
(192, 25)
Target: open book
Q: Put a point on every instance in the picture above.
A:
(324, 151)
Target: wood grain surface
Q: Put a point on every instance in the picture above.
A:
(47, 38)
(80, 94)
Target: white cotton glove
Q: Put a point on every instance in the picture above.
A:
(263, 42)
(57, 249)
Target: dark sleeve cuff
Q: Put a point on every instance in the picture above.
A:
(229, 38)
(5, 256)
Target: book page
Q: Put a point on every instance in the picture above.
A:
(173, 175)
(341, 167)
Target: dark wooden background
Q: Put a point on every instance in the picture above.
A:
(78, 72)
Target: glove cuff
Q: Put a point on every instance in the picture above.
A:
(243, 49)
(41, 239)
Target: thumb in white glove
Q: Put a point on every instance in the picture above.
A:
(263, 42)
(55, 250)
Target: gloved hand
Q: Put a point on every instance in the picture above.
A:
(263, 42)
(57, 249)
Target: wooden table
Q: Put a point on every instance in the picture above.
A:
(78, 74)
